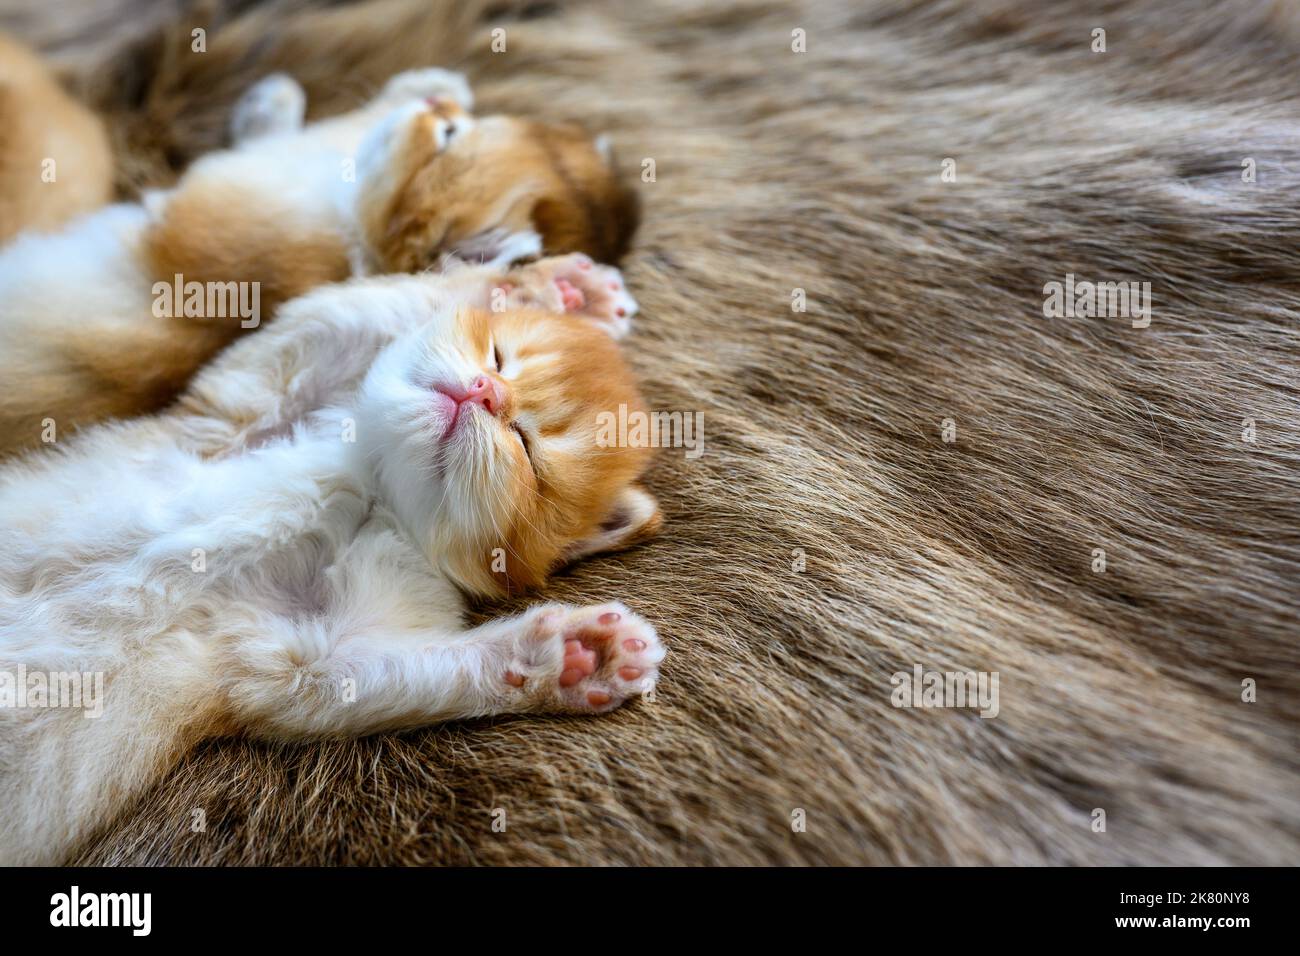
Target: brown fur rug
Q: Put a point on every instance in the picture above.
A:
(1120, 690)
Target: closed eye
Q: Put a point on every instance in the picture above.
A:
(523, 440)
(496, 358)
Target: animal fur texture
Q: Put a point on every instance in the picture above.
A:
(821, 171)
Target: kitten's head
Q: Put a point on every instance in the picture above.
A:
(485, 432)
(435, 180)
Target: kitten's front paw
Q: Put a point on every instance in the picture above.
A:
(274, 104)
(586, 660)
(576, 285)
(429, 83)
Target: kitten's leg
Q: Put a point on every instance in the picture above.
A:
(428, 82)
(345, 133)
(576, 285)
(274, 104)
(551, 658)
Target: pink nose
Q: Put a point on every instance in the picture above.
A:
(488, 392)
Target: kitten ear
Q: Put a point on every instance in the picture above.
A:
(635, 517)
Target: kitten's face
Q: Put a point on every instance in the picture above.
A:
(483, 430)
(435, 180)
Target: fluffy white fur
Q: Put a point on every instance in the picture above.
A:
(325, 605)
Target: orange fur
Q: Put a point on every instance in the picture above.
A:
(106, 369)
(221, 232)
(40, 122)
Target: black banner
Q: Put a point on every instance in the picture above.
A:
(334, 906)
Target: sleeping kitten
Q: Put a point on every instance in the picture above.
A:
(283, 554)
(91, 327)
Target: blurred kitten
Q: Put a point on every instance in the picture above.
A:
(284, 554)
(98, 321)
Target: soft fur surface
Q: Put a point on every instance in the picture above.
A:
(821, 171)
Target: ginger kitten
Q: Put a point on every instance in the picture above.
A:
(284, 553)
(96, 321)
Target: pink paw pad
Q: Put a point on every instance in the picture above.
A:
(578, 286)
(602, 656)
(579, 662)
(572, 296)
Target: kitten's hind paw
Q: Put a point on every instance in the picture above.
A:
(586, 660)
(274, 104)
(576, 285)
